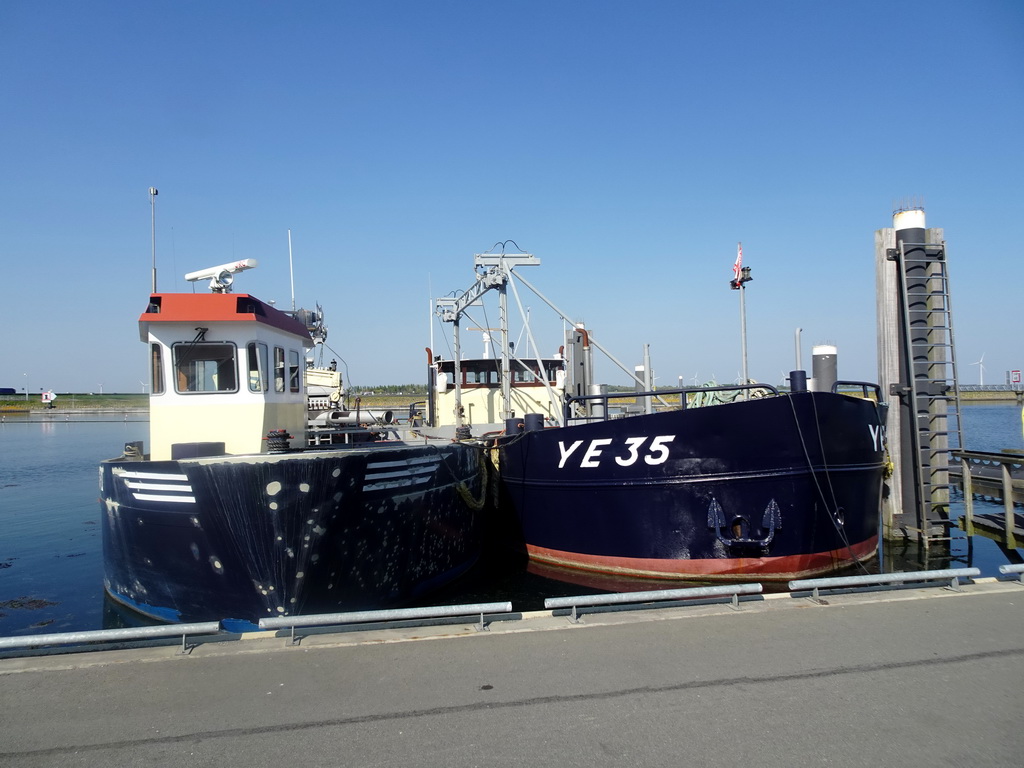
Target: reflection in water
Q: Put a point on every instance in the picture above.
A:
(118, 616)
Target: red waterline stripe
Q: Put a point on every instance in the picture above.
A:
(776, 568)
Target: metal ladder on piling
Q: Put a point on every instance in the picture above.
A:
(933, 386)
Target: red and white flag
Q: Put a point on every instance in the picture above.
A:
(739, 261)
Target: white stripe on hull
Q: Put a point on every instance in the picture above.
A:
(159, 487)
(404, 474)
(172, 499)
(118, 472)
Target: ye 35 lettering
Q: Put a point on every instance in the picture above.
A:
(626, 454)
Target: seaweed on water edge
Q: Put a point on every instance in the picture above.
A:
(27, 603)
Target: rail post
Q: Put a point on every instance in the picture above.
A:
(1010, 523)
(965, 477)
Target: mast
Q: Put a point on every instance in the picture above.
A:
(152, 208)
(741, 276)
(291, 272)
(506, 376)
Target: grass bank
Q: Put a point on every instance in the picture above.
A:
(76, 402)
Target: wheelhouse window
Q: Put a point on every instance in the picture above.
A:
(522, 375)
(278, 369)
(259, 366)
(487, 373)
(156, 369)
(205, 367)
(294, 372)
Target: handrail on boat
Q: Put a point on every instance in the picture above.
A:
(864, 387)
(682, 392)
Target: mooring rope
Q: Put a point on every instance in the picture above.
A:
(839, 528)
(467, 495)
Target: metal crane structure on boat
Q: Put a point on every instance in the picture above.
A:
(495, 272)
(497, 275)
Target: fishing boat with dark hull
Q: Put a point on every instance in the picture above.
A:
(261, 494)
(777, 487)
(706, 483)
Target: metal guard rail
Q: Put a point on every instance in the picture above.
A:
(619, 598)
(1013, 568)
(952, 575)
(112, 635)
(396, 614)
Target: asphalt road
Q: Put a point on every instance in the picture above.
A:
(906, 678)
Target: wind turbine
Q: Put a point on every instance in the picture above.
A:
(981, 370)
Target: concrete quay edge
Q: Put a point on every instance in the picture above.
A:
(313, 639)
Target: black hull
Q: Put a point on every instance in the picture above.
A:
(772, 488)
(249, 537)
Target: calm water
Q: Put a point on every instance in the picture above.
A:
(51, 570)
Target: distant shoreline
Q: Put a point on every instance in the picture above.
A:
(1005, 396)
(134, 404)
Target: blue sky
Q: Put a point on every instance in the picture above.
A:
(628, 145)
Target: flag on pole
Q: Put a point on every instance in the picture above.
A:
(737, 268)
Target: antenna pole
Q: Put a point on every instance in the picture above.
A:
(291, 272)
(152, 207)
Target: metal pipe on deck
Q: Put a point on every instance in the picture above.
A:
(362, 416)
